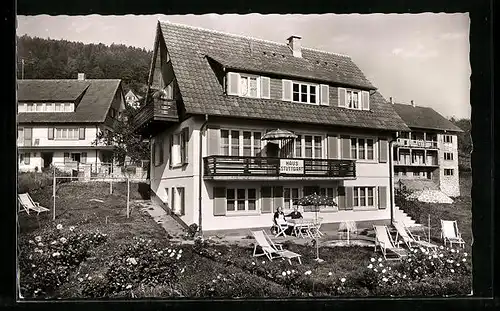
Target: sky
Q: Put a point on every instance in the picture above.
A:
(419, 57)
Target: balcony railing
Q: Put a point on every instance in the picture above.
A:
(155, 113)
(417, 163)
(405, 142)
(277, 167)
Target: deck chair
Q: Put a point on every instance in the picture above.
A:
(271, 250)
(28, 204)
(384, 240)
(409, 239)
(450, 233)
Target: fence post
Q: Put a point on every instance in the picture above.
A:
(128, 197)
(54, 195)
(111, 186)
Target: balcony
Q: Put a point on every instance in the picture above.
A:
(416, 143)
(433, 163)
(266, 168)
(155, 116)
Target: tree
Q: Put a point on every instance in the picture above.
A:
(124, 140)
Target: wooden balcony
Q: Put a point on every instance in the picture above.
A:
(266, 168)
(416, 143)
(154, 117)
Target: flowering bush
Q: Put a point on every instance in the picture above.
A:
(142, 263)
(46, 261)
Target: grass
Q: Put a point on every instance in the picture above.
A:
(244, 276)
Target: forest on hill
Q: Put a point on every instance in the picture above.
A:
(61, 59)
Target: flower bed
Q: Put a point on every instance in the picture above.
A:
(46, 260)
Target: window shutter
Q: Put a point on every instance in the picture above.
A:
(277, 197)
(286, 90)
(82, 133)
(153, 152)
(51, 133)
(213, 140)
(333, 147)
(160, 142)
(170, 150)
(28, 135)
(265, 87)
(84, 157)
(346, 147)
(365, 100)
(383, 149)
(233, 83)
(172, 207)
(183, 200)
(341, 198)
(324, 94)
(185, 143)
(382, 197)
(349, 196)
(219, 201)
(266, 199)
(342, 96)
(66, 157)
(27, 158)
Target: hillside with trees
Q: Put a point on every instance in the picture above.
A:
(61, 59)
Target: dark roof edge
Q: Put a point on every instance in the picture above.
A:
(458, 130)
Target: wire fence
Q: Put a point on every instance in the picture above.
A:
(96, 171)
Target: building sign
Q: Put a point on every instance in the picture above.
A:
(291, 166)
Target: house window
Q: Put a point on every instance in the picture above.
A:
(240, 143)
(249, 86)
(305, 93)
(290, 195)
(448, 139)
(328, 192)
(112, 112)
(298, 146)
(448, 156)
(67, 133)
(179, 147)
(24, 158)
(448, 172)
(241, 199)
(59, 107)
(158, 152)
(353, 99)
(178, 201)
(362, 148)
(363, 196)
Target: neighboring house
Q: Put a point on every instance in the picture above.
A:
(217, 96)
(133, 99)
(429, 151)
(59, 120)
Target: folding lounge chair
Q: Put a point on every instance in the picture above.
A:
(410, 239)
(271, 250)
(384, 240)
(450, 233)
(28, 204)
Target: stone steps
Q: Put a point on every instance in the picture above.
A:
(401, 216)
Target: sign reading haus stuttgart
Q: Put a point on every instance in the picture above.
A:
(291, 166)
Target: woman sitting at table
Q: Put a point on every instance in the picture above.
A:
(279, 218)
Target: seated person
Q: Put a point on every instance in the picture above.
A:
(279, 217)
(295, 214)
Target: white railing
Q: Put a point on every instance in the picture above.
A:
(406, 142)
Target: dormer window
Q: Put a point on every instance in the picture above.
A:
(46, 107)
(304, 93)
(249, 86)
(353, 99)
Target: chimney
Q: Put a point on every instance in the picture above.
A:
(294, 45)
(81, 76)
(412, 103)
(390, 99)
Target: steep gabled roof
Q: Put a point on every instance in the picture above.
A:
(190, 49)
(96, 98)
(424, 118)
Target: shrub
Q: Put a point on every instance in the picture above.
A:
(33, 181)
(46, 261)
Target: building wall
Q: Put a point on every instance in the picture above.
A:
(164, 177)
(449, 184)
(41, 132)
(36, 159)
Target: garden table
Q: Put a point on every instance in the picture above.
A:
(301, 224)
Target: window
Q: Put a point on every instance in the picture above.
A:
(39, 107)
(353, 99)
(448, 172)
(448, 139)
(67, 133)
(362, 148)
(249, 86)
(240, 143)
(241, 199)
(178, 201)
(305, 93)
(363, 196)
(298, 146)
(59, 107)
(112, 112)
(328, 192)
(25, 158)
(67, 107)
(179, 147)
(76, 157)
(448, 156)
(290, 195)
(20, 135)
(158, 152)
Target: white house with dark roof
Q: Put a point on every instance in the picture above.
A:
(427, 155)
(218, 95)
(59, 120)
(133, 99)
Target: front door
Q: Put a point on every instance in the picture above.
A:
(47, 159)
(75, 157)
